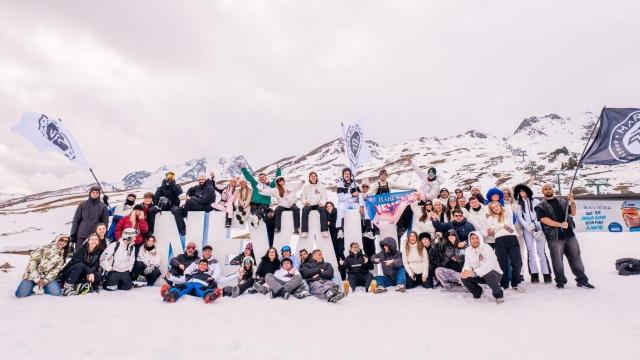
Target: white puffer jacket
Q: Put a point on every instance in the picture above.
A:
(122, 260)
(149, 258)
(431, 189)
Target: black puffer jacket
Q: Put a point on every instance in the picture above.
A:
(171, 191)
(311, 268)
(91, 261)
(204, 194)
(393, 254)
(354, 263)
(451, 256)
(183, 259)
(88, 215)
(267, 267)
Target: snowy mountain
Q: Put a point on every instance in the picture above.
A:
(223, 167)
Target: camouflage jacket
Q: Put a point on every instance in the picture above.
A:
(45, 262)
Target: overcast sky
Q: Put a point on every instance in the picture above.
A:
(141, 84)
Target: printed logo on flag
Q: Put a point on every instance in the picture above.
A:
(625, 139)
(50, 130)
(354, 142)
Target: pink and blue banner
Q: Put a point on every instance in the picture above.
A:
(387, 208)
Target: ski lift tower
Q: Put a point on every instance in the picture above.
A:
(598, 183)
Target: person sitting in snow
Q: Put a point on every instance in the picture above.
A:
(117, 260)
(318, 275)
(286, 281)
(179, 264)
(146, 269)
(285, 252)
(199, 283)
(82, 273)
(393, 271)
(481, 267)
(244, 277)
(215, 269)
(45, 263)
(247, 252)
(358, 268)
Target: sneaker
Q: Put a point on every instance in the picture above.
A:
(209, 297)
(285, 295)
(235, 291)
(84, 288)
(301, 293)
(334, 299)
(333, 291)
(69, 290)
(164, 289)
(586, 285)
(547, 278)
(369, 235)
(296, 231)
(168, 297)
(261, 288)
(519, 289)
(227, 223)
(380, 290)
(304, 235)
(140, 281)
(373, 287)
(560, 286)
(252, 291)
(340, 234)
(325, 234)
(273, 294)
(346, 287)
(499, 300)
(401, 288)
(535, 278)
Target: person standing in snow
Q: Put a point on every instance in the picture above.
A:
(314, 197)
(560, 235)
(286, 198)
(532, 233)
(45, 263)
(89, 213)
(481, 267)
(475, 191)
(318, 275)
(82, 273)
(507, 247)
(117, 260)
(478, 218)
(146, 269)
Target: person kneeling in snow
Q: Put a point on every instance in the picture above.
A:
(286, 281)
(82, 273)
(318, 275)
(117, 260)
(44, 265)
(146, 269)
(199, 283)
(393, 271)
(481, 267)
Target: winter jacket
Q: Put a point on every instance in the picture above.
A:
(91, 261)
(373, 188)
(244, 201)
(150, 258)
(480, 221)
(294, 261)
(240, 258)
(170, 191)
(421, 226)
(284, 275)
(482, 259)
(314, 194)
(256, 196)
(267, 267)
(312, 268)
(345, 192)
(201, 277)
(413, 262)
(215, 270)
(88, 215)
(494, 191)
(228, 194)
(434, 256)
(118, 257)
(526, 215)
(431, 189)
(183, 259)
(289, 199)
(394, 254)
(355, 265)
(45, 262)
(204, 194)
(462, 228)
(498, 226)
(142, 228)
(450, 255)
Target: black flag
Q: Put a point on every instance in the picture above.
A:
(617, 140)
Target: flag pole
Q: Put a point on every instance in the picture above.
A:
(575, 173)
(97, 182)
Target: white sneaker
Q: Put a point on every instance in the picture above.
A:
(499, 300)
(340, 234)
(324, 234)
(519, 289)
(304, 235)
(369, 235)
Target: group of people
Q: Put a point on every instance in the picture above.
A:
(452, 240)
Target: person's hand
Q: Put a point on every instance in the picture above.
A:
(491, 232)
(564, 225)
(462, 244)
(91, 278)
(341, 262)
(424, 278)
(388, 262)
(366, 259)
(413, 277)
(316, 276)
(454, 258)
(141, 217)
(181, 266)
(570, 198)
(40, 283)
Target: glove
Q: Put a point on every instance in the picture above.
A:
(148, 270)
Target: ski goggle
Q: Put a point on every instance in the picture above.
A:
(285, 249)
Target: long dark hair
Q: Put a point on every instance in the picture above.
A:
(425, 213)
(455, 243)
(449, 208)
(266, 255)
(280, 187)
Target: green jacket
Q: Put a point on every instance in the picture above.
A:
(256, 197)
(45, 262)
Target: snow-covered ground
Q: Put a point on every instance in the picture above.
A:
(545, 323)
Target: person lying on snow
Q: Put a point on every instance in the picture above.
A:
(44, 265)
(83, 274)
(200, 283)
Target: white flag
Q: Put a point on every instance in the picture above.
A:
(354, 145)
(49, 134)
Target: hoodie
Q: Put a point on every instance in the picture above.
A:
(88, 215)
(482, 259)
(314, 194)
(430, 188)
(45, 262)
(290, 190)
(395, 255)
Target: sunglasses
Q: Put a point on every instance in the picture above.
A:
(191, 247)
(458, 191)
(64, 240)
(457, 215)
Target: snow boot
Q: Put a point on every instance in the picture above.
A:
(140, 281)
(261, 288)
(373, 287)
(401, 288)
(227, 222)
(164, 289)
(304, 235)
(339, 296)
(333, 291)
(168, 296)
(586, 285)
(84, 288)
(519, 289)
(69, 290)
(235, 291)
(345, 286)
(535, 278)
(296, 231)
(285, 295)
